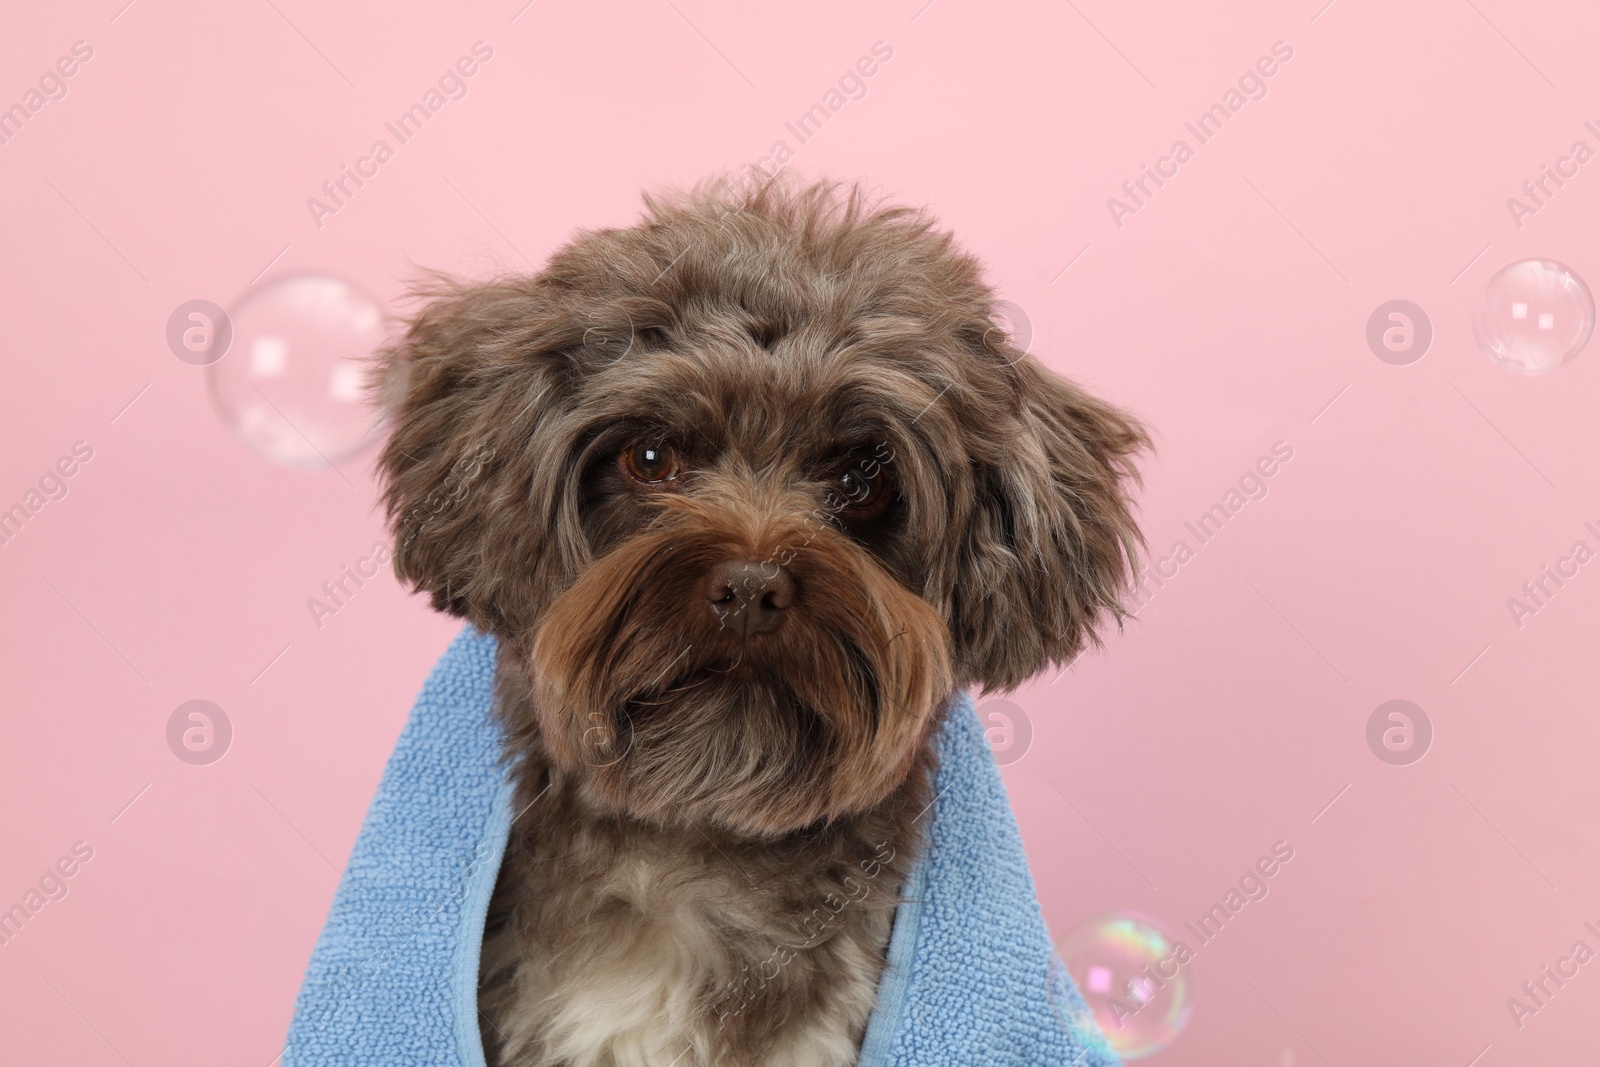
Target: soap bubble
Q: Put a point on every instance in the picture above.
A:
(1071, 1012)
(292, 382)
(1134, 977)
(1534, 316)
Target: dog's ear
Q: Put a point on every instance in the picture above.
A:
(1051, 544)
(474, 390)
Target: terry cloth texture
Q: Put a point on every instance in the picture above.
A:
(972, 980)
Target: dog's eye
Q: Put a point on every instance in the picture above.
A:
(650, 463)
(863, 490)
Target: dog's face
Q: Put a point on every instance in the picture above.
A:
(751, 488)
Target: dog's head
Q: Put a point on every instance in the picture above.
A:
(751, 488)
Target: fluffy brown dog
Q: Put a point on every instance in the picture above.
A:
(746, 492)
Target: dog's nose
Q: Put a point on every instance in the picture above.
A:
(749, 597)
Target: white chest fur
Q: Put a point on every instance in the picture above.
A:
(666, 951)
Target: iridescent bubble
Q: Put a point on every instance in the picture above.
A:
(1534, 316)
(292, 383)
(1071, 1012)
(1135, 978)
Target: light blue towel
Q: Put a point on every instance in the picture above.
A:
(972, 979)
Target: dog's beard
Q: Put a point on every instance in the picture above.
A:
(667, 714)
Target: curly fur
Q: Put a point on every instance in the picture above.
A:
(695, 798)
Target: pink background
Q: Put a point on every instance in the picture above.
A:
(1228, 312)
